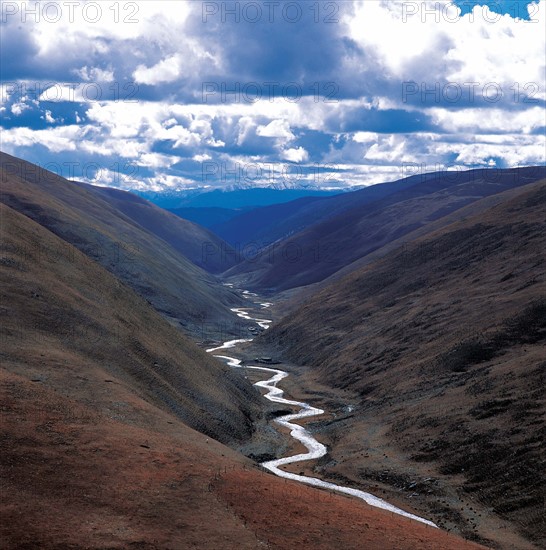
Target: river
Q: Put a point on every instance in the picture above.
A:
(315, 449)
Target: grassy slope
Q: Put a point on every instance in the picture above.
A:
(187, 295)
(444, 342)
(97, 391)
(196, 243)
(63, 313)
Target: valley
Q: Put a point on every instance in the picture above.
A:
(434, 386)
(379, 403)
(315, 450)
(379, 469)
(273, 275)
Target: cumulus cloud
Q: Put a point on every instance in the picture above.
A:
(298, 154)
(277, 129)
(95, 74)
(48, 117)
(18, 108)
(180, 84)
(167, 70)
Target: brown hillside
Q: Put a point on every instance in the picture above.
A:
(64, 315)
(185, 294)
(76, 479)
(443, 341)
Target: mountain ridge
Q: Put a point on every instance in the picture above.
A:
(325, 247)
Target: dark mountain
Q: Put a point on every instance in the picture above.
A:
(142, 248)
(248, 197)
(207, 217)
(442, 343)
(269, 224)
(266, 225)
(373, 221)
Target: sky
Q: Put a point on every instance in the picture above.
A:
(174, 95)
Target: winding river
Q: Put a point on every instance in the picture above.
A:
(315, 449)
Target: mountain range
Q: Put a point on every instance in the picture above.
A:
(412, 312)
(318, 238)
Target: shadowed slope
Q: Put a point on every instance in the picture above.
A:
(196, 243)
(443, 340)
(368, 223)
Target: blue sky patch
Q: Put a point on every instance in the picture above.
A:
(514, 8)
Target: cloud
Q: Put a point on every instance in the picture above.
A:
(48, 118)
(298, 154)
(167, 70)
(95, 74)
(277, 129)
(175, 88)
(18, 108)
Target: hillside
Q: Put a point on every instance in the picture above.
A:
(194, 242)
(442, 342)
(367, 223)
(98, 393)
(145, 254)
(63, 312)
(265, 225)
(268, 224)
